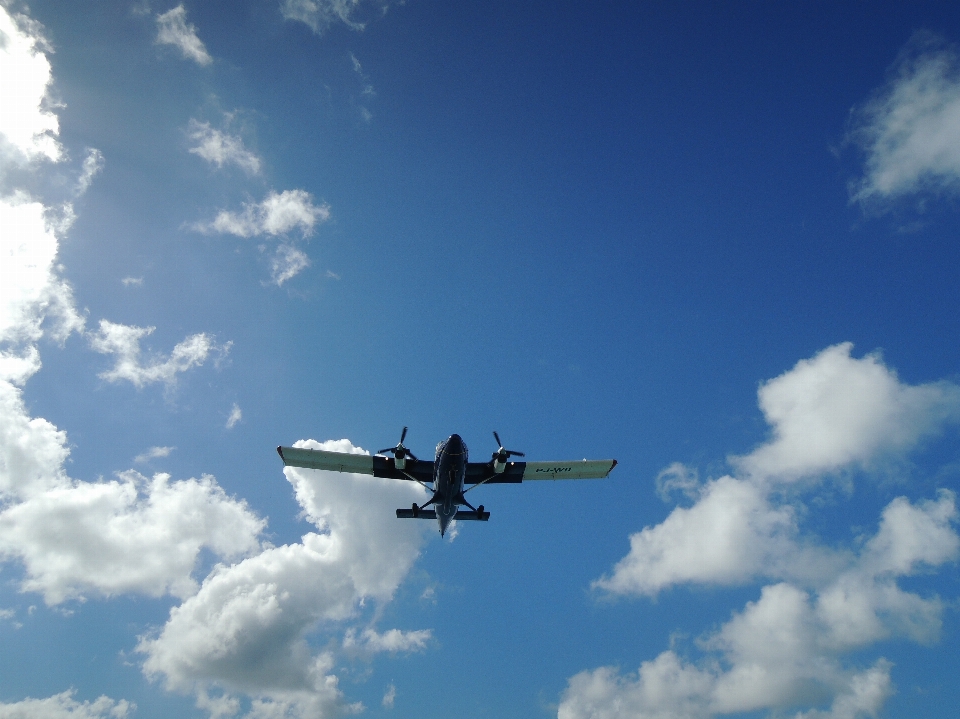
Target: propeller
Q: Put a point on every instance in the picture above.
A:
(502, 455)
(399, 452)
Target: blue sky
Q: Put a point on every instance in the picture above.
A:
(718, 244)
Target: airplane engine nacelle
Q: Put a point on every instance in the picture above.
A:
(499, 464)
(400, 462)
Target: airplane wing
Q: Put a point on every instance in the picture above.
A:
(515, 472)
(416, 470)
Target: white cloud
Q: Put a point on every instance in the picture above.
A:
(64, 706)
(132, 281)
(92, 165)
(172, 29)
(131, 534)
(28, 129)
(833, 411)
(278, 214)
(911, 130)
(153, 453)
(287, 263)
(788, 648)
(32, 450)
(235, 416)
(727, 537)
(392, 640)
(320, 14)
(389, 697)
(124, 342)
(30, 289)
(220, 148)
(246, 628)
(678, 478)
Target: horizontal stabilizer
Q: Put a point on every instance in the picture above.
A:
(472, 516)
(432, 514)
(419, 514)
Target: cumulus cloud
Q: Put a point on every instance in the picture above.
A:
(28, 127)
(173, 29)
(278, 214)
(287, 263)
(787, 649)
(728, 536)
(833, 411)
(123, 341)
(246, 629)
(910, 131)
(64, 706)
(220, 148)
(389, 697)
(31, 292)
(130, 534)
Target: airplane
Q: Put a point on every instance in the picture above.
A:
(448, 473)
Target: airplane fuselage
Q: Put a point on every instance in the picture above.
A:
(449, 472)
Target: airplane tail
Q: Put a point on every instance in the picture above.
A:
(461, 516)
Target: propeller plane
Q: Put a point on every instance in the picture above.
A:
(447, 476)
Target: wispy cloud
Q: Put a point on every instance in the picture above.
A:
(287, 263)
(320, 14)
(828, 414)
(392, 640)
(132, 281)
(278, 214)
(64, 706)
(123, 341)
(389, 697)
(221, 148)
(910, 131)
(235, 416)
(153, 453)
(367, 92)
(173, 29)
(92, 165)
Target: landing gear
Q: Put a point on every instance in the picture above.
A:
(480, 512)
(415, 509)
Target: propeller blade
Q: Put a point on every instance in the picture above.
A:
(505, 453)
(400, 451)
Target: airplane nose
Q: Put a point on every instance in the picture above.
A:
(455, 444)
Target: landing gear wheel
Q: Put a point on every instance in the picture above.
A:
(480, 512)
(415, 509)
